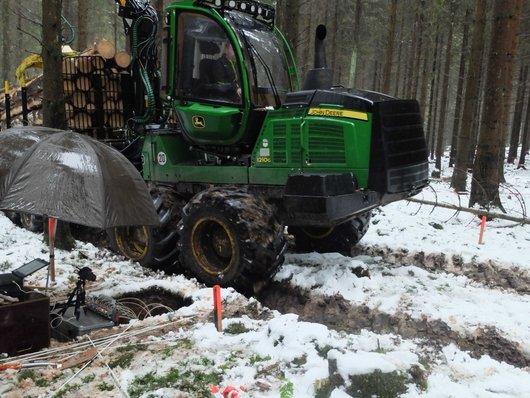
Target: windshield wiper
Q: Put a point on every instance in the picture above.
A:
(268, 73)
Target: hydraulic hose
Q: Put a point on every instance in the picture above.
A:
(144, 75)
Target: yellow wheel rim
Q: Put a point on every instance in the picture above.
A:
(213, 245)
(133, 242)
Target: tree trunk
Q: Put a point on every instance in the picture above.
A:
(459, 178)
(419, 89)
(354, 81)
(390, 48)
(499, 83)
(289, 22)
(518, 114)
(459, 90)
(52, 89)
(82, 24)
(433, 94)
(525, 139)
(445, 86)
(6, 34)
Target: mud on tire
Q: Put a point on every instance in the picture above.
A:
(230, 238)
(154, 248)
(340, 238)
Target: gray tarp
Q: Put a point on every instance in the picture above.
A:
(71, 177)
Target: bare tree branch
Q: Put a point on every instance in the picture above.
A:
(30, 35)
(522, 220)
(18, 12)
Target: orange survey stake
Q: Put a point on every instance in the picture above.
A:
(217, 308)
(482, 227)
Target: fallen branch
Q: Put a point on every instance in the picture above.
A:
(488, 214)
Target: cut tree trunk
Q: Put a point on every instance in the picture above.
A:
(122, 59)
(105, 48)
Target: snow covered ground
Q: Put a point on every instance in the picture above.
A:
(440, 315)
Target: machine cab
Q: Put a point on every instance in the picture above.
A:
(227, 67)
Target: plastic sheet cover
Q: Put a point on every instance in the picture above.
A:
(71, 177)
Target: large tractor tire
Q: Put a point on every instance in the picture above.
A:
(154, 248)
(27, 221)
(230, 238)
(13, 216)
(340, 238)
(31, 222)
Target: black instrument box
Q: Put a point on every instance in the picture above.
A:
(68, 327)
(25, 325)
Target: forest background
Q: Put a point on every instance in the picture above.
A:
(466, 62)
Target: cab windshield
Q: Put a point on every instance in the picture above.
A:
(268, 69)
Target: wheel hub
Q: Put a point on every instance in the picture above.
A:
(213, 245)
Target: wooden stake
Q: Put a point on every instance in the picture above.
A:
(85, 356)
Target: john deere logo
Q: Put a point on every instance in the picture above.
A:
(198, 122)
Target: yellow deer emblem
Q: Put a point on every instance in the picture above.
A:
(198, 122)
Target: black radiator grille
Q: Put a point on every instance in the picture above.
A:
(326, 143)
(279, 143)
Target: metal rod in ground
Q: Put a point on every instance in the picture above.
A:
(24, 96)
(8, 104)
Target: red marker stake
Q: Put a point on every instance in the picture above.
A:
(482, 226)
(217, 308)
(52, 228)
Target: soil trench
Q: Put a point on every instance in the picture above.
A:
(331, 310)
(487, 272)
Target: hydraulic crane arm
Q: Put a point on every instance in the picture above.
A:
(141, 23)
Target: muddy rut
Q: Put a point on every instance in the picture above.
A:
(339, 314)
(488, 273)
(332, 310)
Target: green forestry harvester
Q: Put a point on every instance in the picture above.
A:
(232, 158)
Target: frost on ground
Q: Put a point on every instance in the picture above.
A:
(420, 309)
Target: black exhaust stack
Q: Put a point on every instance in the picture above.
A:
(321, 77)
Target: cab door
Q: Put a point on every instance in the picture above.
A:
(208, 85)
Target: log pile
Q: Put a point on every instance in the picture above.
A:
(93, 83)
(34, 93)
(93, 87)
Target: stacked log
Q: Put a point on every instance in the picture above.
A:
(93, 87)
(93, 83)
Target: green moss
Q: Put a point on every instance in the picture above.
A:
(287, 390)
(87, 379)
(255, 358)
(66, 389)
(323, 351)
(189, 377)
(32, 375)
(378, 385)
(236, 328)
(123, 361)
(105, 387)
(323, 388)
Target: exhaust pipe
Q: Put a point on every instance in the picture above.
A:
(320, 77)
